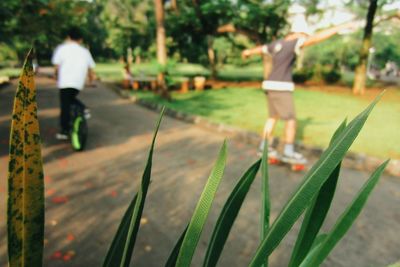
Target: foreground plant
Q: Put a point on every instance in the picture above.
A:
(314, 195)
(25, 218)
(25, 214)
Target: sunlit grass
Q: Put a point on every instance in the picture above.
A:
(10, 72)
(318, 114)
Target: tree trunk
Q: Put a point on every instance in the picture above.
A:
(361, 69)
(161, 47)
(174, 6)
(211, 57)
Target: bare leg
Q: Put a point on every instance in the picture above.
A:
(290, 131)
(269, 129)
(289, 154)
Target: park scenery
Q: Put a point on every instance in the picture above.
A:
(199, 133)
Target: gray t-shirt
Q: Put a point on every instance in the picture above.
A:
(283, 55)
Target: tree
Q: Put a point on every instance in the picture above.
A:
(194, 28)
(129, 24)
(361, 69)
(374, 7)
(161, 46)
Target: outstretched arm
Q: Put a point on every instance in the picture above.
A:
(258, 50)
(328, 33)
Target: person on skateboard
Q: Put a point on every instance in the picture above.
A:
(279, 85)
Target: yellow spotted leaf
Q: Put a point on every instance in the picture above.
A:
(25, 214)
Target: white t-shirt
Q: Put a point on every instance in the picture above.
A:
(73, 62)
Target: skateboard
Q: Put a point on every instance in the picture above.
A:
(297, 167)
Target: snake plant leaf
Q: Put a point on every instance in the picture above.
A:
(228, 215)
(316, 213)
(171, 262)
(265, 198)
(345, 221)
(202, 209)
(116, 249)
(310, 186)
(131, 221)
(25, 214)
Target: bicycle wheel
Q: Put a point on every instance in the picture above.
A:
(79, 133)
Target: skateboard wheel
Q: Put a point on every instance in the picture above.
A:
(273, 161)
(298, 167)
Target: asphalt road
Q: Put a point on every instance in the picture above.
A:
(87, 192)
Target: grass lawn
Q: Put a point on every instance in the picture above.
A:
(113, 71)
(318, 112)
(10, 72)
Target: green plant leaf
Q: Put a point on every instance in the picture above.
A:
(25, 214)
(116, 249)
(316, 213)
(131, 220)
(175, 252)
(345, 221)
(200, 214)
(310, 186)
(318, 240)
(265, 205)
(228, 215)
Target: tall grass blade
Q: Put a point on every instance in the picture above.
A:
(345, 221)
(316, 213)
(265, 205)
(171, 262)
(200, 214)
(116, 249)
(228, 215)
(311, 185)
(132, 219)
(25, 211)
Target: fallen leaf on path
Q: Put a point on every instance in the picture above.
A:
(69, 255)
(59, 200)
(53, 222)
(50, 192)
(48, 179)
(114, 193)
(56, 255)
(70, 237)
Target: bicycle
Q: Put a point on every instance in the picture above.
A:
(79, 127)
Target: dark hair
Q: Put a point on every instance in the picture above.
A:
(75, 33)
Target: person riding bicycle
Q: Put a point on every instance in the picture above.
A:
(73, 63)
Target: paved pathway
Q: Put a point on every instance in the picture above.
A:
(95, 187)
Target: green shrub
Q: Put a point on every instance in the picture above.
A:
(331, 75)
(313, 198)
(302, 75)
(8, 56)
